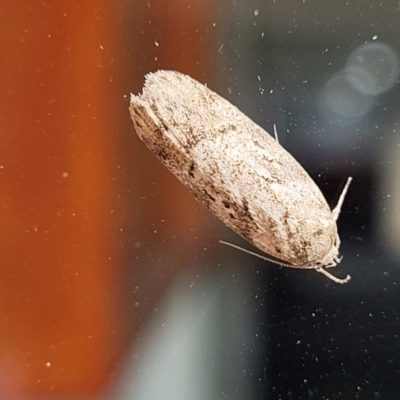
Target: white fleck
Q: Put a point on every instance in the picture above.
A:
(375, 37)
(101, 47)
(48, 364)
(256, 12)
(64, 174)
(156, 44)
(238, 171)
(220, 48)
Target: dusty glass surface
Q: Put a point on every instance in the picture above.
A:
(327, 74)
(114, 284)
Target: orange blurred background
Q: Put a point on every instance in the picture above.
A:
(74, 182)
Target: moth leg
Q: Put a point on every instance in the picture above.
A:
(276, 134)
(333, 277)
(336, 210)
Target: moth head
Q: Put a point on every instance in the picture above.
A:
(330, 259)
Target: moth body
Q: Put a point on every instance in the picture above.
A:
(238, 171)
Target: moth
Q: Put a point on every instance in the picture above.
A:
(238, 171)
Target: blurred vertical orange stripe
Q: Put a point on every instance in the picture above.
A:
(59, 271)
(71, 190)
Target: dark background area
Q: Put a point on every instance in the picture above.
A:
(319, 339)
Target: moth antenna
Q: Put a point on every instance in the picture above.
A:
(276, 134)
(333, 277)
(255, 254)
(336, 210)
(318, 269)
